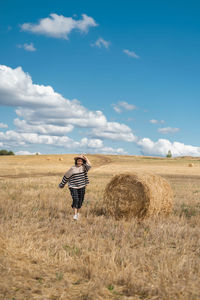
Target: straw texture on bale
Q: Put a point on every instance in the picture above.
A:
(2, 246)
(137, 195)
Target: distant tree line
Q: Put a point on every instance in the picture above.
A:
(5, 152)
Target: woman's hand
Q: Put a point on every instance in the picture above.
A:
(87, 160)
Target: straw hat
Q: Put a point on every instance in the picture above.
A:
(80, 157)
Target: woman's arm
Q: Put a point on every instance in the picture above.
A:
(65, 178)
(87, 164)
(87, 160)
(63, 182)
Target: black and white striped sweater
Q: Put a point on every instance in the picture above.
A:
(76, 177)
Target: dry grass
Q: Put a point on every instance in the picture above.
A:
(44, 254)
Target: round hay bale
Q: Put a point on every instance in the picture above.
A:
(190, 165)
(137, 195)
(48, 158)
(60, 159)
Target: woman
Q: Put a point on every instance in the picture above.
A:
(77, 179)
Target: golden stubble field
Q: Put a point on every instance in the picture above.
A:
(44, 254)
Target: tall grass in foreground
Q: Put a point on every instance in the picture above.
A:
(44, 254)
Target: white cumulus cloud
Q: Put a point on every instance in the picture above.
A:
(117, 108)
(110, 150)
(162, 146)
(127, 137)
(154, 121)
(167, 130)
(123, 105)
(115, 131)
(28, 47)
(22, 126)
(127, 106)
(101, 43)
(45, 117)
(25, 152)
(39, 104)
(3, 125)
(59, 26)
(17, 89)
(12, 138)
(130, 53)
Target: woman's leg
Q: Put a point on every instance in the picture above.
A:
(81, 195)
(75, 210)
(75, 200)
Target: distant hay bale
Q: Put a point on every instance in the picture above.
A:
(48, 158)
(190, 165)
(137, 195)
(60, 159)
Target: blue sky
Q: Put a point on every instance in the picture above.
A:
(119, 77)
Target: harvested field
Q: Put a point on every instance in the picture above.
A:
(44, 254)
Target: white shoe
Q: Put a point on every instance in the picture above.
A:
(75, 217)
